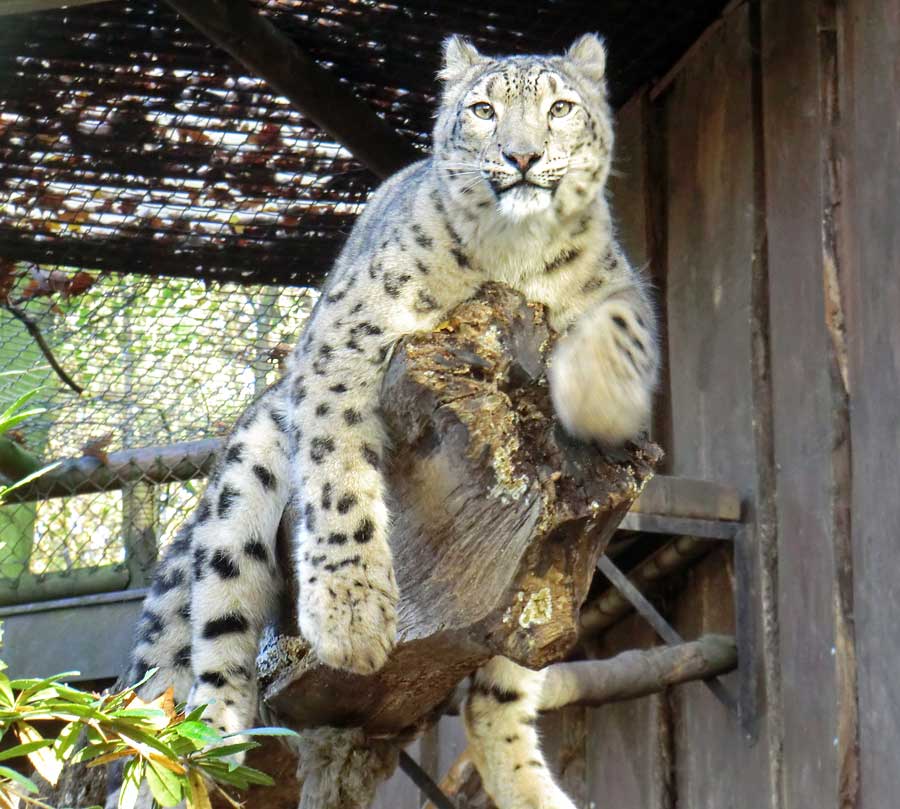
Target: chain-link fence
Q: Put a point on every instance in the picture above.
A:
(165, 364)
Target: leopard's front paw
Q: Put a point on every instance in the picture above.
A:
(350, 621)
(602, 377)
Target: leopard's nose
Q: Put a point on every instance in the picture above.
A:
(522, 160)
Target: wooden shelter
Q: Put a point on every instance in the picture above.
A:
(758, 179)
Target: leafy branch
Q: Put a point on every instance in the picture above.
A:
(178, 755)
(174, 751)
(11, 417)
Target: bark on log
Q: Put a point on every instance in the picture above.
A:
(499, 520)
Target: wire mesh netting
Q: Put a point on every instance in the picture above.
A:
(162, 362)
(164, 219)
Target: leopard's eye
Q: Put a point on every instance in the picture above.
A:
(561, 109)
(483, 110)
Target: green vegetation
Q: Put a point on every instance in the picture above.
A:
(179, 757)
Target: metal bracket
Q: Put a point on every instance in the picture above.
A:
(662, 627)
(424, 781)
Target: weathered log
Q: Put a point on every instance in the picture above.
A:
(499, 520)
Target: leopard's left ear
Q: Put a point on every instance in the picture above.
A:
(589, 55)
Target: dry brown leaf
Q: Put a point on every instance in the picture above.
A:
(96, 448)
(171, 766)
(199, 797)
(79, 283)
(8, 277)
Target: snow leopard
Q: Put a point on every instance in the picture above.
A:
(513, 192)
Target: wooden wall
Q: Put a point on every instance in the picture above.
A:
(759, 182)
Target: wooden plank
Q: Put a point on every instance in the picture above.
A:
(628, 761)
(638, 204)
(684, 497)
(871, 110)
(809, 401)
(712, 284)
(628, 182)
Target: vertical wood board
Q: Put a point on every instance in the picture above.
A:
(803, 399)
(626, 765)
(711, 241)
(870, 73)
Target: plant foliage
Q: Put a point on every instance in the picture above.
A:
(178, 755)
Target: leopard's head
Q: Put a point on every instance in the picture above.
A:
(530, 134)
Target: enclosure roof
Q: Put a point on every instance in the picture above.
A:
(129, 143)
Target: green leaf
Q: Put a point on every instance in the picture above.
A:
(26, 783)
(166, 786)
(7, 698)
(93, 751)
(263, 732)
(31, 687)
(28, 478)
(255, 776)
(236, 775)
(198, 731)
(17, 405)
(194, 716)
(219, 771)
(8, 422)
(227, 750)
(65, 741)
(136, 736)
(131, 784)
(148, 714)
(25, 749)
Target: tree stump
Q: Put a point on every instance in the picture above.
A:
(499, 519)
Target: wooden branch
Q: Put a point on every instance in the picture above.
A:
(636, 673)
(38, 338)
(258, 45)
(184, 461)
(499, 519)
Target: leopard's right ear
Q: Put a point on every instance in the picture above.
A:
(459, 55)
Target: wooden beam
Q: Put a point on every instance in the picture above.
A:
(29, 6)
(257, 44)
(688, 498)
